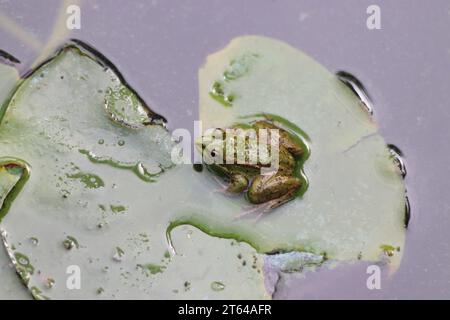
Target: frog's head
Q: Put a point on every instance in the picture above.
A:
(211, 146)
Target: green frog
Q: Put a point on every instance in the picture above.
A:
(268, 190)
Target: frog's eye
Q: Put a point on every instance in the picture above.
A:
(213, 153)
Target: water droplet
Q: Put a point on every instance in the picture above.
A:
(49, 283)
(141, 169)
(34, 241)
(407, 212)
(118, 255)
(70, 243)
(217, 286)
(397, 154)
(101, 141)
(23, 261)
(65, 193)
(358, 88)
(121, 143)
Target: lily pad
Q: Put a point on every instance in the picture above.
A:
(11, 288)
(98, 191)
(355, 202)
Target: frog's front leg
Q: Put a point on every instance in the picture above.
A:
(273, 190)
(238, 183)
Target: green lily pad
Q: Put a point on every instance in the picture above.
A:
(355, 201)
(98, 176)
(11, 288)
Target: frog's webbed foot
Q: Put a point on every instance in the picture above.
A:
(258, 209)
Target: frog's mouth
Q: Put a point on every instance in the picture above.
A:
(210, 146)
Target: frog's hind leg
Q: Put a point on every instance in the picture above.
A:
(237, 184)
(261, 209)
(275, 203)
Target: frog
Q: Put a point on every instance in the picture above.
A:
(267, 191)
